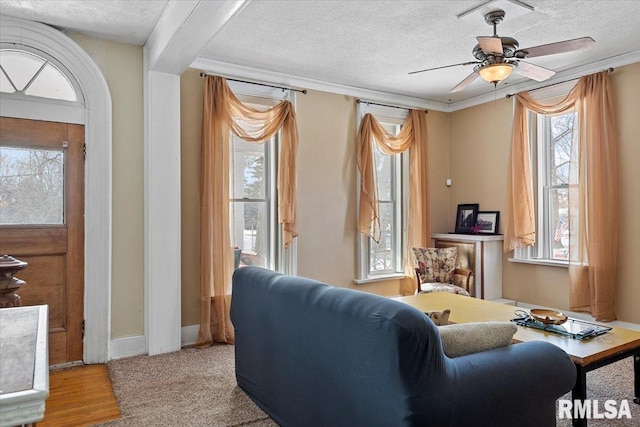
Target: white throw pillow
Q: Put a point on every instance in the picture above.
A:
(466, 338)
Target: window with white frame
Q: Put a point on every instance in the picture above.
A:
(36, 86)
(552, 139)
(252, 203)
(253, 208)
(24, 73)
(384, 259)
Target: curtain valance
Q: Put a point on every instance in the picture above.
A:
(412, 137)
(222, 113)
(593, 191)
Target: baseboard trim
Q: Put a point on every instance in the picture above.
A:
(127, 347)
(189, 335)
(137, 345)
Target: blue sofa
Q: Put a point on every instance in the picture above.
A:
(310, 354)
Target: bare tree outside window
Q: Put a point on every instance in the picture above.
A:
(553, 169)
(250, 203)
(31, 186)
(383, 255)
(559, 160)
(255, 214)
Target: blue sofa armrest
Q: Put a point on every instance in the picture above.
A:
(503, 386)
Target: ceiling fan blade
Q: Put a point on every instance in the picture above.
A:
(534, 72)
(490, 44)
(559, 47)
(444, 66)
(471, 77)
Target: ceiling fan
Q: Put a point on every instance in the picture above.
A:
(498, 56)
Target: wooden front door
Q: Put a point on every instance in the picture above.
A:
(42, 223)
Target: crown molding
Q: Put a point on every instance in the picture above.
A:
(558, 78)
(258, 75)
(226, 69)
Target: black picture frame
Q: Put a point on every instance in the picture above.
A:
(466, 218)
(487, 222)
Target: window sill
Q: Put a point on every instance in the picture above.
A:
(381, 278)
(547, 262)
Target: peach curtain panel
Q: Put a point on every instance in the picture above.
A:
(222, 113)
(593, 266)
(412, 137)
(593, 192)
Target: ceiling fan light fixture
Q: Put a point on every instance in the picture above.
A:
(495, 73)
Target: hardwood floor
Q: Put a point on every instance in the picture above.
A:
(80, 396)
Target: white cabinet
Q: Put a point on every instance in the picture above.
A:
(481, 254)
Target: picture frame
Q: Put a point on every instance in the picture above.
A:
(487, 222)
(466, 218)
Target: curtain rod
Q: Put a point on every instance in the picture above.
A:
(509, 95)
(304, 91)
(359, 101)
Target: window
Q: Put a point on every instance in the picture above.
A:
(254, 225)
(384, 259)
(552, 142)
(32, 186)
(25, 73)
(252, 207)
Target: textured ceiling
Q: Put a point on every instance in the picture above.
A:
(368, 44)
(374, 44)
(117, 20)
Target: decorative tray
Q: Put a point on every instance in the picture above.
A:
(572, 328)
(548, 317)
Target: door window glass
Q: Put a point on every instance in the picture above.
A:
(31, 186)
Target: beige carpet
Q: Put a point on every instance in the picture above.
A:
(197, 388)
(615, 382)
(194, 387)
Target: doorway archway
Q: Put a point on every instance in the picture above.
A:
(98, 137)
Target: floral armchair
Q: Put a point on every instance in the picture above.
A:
(436, 268)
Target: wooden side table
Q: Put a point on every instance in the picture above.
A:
(8, 283)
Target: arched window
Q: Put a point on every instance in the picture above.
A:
(27, 74)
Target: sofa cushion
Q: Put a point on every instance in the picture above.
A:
(435, 265)
(466, 338)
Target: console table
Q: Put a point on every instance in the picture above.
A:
(24, 365)
(481, 254)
